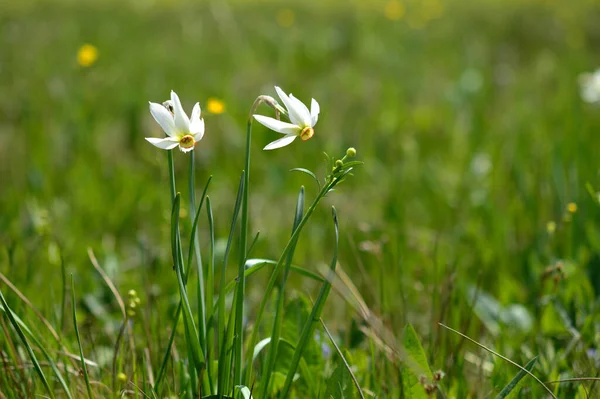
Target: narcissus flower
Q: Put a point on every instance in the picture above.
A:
(181, 131)
(302, 120)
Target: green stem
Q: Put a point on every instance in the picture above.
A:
(315, 316)
(276, 330)
(241, 288)
(276, 271)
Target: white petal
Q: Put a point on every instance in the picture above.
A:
(195, 113)
(198, 129)
(182, 123)
(278, 126)
(314, 112)
(165, 144)
(280, 143)
(294, 114)
(196, 124)
(302, 110)
(186, 149)
(163, 117)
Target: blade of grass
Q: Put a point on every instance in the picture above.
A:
(76, 327)
(46, 354)
(341, 355)
(194, 349)
(34, 361)
(501, 357)
(195, 243)
(276, 330)
(513, 383)
(165, 361)
(210, 286)
(277, 270)
(223, 372)
(315, 314)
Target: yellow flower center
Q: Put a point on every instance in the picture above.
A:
(187, 141)
(307, 133)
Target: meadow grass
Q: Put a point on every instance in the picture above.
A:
(476, 211)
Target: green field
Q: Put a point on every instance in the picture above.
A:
(477, 206)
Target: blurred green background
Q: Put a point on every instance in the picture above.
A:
(466, 113)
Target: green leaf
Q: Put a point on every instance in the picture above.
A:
(417, 365)
(515, 381)
(308, 172)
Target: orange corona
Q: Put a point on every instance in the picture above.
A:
(307, 133)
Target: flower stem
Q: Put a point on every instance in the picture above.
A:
(241, 285)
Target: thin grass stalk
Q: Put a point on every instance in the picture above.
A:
(241, 287)
(315, 315)
(34, 361)
(210, 287)
(223, 372)
(276, 330)
(195, 243)
(75, 326)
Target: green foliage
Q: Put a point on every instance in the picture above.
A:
(474, 139)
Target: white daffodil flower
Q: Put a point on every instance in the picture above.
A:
(590, 86)
(181, 130)
(302, 121)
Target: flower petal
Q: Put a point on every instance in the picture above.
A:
(294, 114)
(302, 110)
(278, 126)
(163, 117)
(165, 144)
(280, 143)
(182, 123)
(195, 113)
(314, 112)
(196, 124)
(197, 129)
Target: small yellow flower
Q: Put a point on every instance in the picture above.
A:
(551, 227)
(394, 10)
(87, 55)
(572, 207)
(215, 106)
(286, 18)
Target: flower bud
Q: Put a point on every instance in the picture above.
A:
(351, 152)
(338, 164)
(122, 377)
(132, 293)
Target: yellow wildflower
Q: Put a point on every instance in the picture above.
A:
(215, 106)
(87, 55)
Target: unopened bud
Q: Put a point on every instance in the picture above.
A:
(339, 164)
(122, 377)
(351, 152)
(132, 293)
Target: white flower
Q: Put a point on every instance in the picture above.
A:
(181, 130)
(302, 121)
(590, 86)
